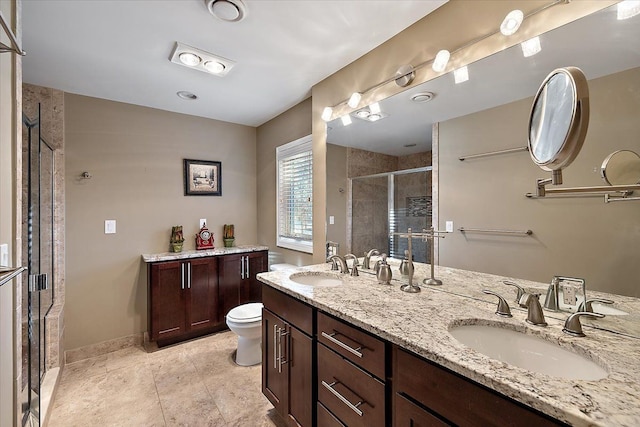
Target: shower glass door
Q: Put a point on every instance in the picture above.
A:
(37, 293)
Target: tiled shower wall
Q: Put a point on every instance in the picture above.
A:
(52, 126)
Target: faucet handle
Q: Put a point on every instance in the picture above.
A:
(519, 289)
(572, 325)
(503, 306)
(531, 302)
(586, 305)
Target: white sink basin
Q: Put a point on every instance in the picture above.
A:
(527, 352)
(317, 279)
(607, 310)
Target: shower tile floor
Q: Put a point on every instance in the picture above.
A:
(195, 383)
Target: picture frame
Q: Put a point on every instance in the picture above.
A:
(202, 178)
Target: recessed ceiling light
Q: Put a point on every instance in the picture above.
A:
(198, 59)
(214, 67)
(227, 10)
(363, 114)
(190, 59)
(187, 95)
(374, 117)
(423, 97)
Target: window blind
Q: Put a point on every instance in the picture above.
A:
(295, 195)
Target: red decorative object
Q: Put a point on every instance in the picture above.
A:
(204, 238)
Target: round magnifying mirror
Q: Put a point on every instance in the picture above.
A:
(559, 118)
(621, 167)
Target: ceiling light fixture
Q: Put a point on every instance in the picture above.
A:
(187, 95)
(531, 47)
(406, 73)
(511, 22)
(461, 75)
(327, 113)
(422, 97)
(354, 100)
(628, 9)
(227, 10)
(200, 60)
(375, 117)
(362, 114)
(346, 120)
(441, 61)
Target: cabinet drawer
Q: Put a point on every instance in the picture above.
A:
(458, 399)
(288, 308)
(326, 418)
(408, 414)
(361, 348)
(355, 397)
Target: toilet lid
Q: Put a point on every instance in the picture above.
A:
(246, 313)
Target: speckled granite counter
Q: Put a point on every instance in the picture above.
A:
(420, 322)
(170, 256)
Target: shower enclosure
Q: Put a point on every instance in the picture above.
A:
(37, 292)
(386, 203)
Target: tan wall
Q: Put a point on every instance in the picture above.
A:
(135, 156)
(582, 237)
(293, 124)
(337, 193)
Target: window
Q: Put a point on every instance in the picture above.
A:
(295, 195)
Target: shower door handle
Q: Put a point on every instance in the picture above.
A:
(38, 282)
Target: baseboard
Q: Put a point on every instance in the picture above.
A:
(104, 347)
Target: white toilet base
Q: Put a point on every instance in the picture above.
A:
(249, 351)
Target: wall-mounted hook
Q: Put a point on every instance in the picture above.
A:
(86, 175)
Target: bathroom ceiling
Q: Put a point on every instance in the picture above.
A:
(119, 50)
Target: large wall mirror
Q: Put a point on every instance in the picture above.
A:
(489, 112)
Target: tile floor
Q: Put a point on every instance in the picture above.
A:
(190, 384)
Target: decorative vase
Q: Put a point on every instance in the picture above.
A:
(228, 242)
(177, 246)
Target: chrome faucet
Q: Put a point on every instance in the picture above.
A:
(572, 325)
(341, 262)
(586, 305)
(535, 316)
(367, 258)
(519, 289)
(354, 268)
(503, 307)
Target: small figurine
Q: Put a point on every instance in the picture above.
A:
(204, 238)
(177, 239)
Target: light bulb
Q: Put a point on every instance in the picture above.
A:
(440, 63)
(461, 74)
(190, 59)
(327, 113)
(628, 9)
(531, 47)
(346, 120)
(363, 114)
(354, 100)
(374, 117)
(511, 22)
(214, 67)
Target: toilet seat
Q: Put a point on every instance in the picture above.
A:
(246, 313)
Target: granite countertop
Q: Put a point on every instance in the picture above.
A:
(420, 322)
(171, 256)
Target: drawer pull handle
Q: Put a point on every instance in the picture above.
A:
(330, 337)
(275, 346)
(343, 399)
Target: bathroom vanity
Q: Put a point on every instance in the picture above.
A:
(190, 292)
(359, 353)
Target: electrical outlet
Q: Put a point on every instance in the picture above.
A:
(203, 221)
(569, 294)
(109, 226)
(449, 226)
(4, 255)
(332, 219)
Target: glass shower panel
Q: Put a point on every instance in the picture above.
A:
(369, 214)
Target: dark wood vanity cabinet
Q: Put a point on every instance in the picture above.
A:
(426, 394)
(287, 357)
(237, 279)
(183, 297)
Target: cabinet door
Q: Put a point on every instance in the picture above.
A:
(167, 300)
(202, 283)
(408, 414)
(275, 376)
(300, 363)
(230, 268)
(251, 288)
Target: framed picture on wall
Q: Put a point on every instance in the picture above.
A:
(202, 178)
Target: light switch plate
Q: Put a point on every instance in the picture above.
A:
(203, 221)
(332, 219)
(449, 226)
(109, 226)
(4, 254)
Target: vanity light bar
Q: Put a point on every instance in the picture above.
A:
(439, 63)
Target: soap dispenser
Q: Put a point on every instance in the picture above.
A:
(384, 271)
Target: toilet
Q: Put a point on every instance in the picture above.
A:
(246, 322)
